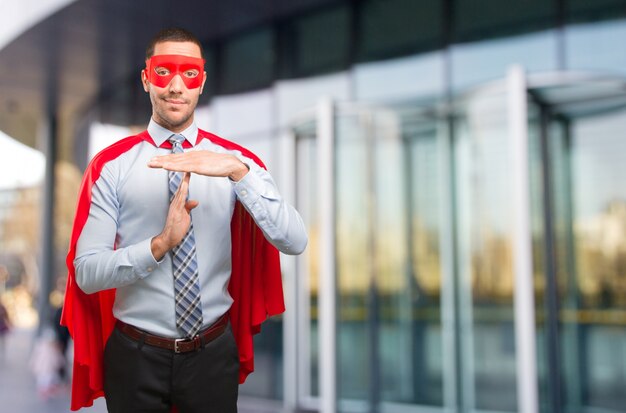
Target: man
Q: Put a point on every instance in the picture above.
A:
(175, 245)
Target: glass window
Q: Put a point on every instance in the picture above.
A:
(482, 19)
(390, 28)
(389, 330)
(316, 43)
(354, 260)
(587, 220)
(585, 10)
(485, 268)
(544, 278)
(592, 46)
(478, 62)
(421, 76)
(594, 302)
(410, 314)
(247, 62)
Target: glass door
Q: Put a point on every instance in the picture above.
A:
(446, 295)
(485, 254)
(387, 201)
(388, 196)
(576, 231)
(583, 125)
(493, 261)
(423, 256)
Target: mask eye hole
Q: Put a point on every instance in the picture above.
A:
(192, 73)
(161, 71)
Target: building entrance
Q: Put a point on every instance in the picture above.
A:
(465, 256)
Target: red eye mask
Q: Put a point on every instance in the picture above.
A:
(161, 69)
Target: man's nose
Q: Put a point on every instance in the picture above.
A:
(176, 84)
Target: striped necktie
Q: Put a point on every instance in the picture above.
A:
(185, 266)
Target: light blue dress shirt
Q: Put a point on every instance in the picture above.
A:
(129, 206)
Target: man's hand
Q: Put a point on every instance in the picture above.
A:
(177, 221)
(202, 163)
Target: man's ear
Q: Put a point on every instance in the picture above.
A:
(203, 82)
(144, 81)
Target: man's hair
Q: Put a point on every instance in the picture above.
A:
(172, 34)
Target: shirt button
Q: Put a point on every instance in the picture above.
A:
(244, 193)
(150, 269)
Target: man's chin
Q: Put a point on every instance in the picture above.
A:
(173, 122)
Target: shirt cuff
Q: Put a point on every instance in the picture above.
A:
(246, 188)
(141, 258)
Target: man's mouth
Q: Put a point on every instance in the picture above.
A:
(175, 101)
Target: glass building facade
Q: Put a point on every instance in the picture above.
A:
(459, 167)
(389, 123)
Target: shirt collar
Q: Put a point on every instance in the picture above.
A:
(159, 134)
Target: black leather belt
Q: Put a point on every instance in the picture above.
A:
(177, 345)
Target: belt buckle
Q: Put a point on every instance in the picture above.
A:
(177, 341)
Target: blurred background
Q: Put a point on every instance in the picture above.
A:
(459, 164)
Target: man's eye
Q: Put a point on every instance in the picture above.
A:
(161, 71)
(191, 73)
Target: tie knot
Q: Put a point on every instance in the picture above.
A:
(177, 141)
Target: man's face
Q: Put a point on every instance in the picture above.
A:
(175, 83)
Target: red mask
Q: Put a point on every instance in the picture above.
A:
(161, 69)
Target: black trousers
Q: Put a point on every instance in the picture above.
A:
(139, 378)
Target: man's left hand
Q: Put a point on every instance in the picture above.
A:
(202, 163)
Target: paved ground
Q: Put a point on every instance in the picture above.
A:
(18, 389)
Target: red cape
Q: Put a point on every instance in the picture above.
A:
(255, 284)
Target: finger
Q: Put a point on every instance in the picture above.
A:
(158, 161)
(178, 201)
(191, 204)
(183, 188)
(155, 163)
(168, 162)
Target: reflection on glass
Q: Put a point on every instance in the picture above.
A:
(543, 279)
(354, 259)
(422, 289)
(388, 260)
(388, 229)
(485, 255)
(591, 256)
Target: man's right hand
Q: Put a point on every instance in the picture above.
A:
(177, 222)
